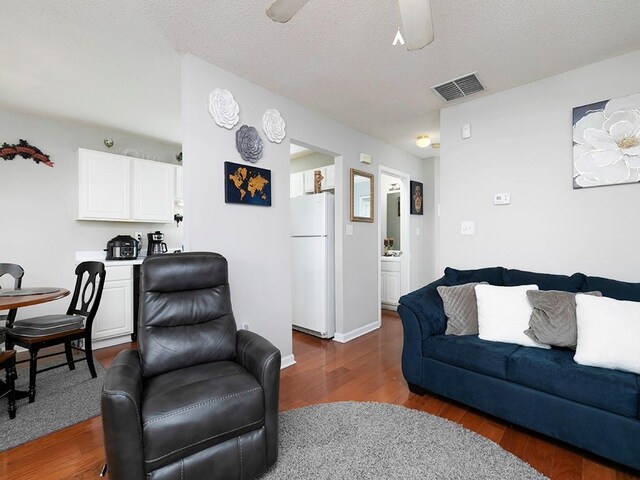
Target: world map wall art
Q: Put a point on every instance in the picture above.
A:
(247, 184)
(606, 143)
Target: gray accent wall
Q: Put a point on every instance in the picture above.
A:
(522, 144)
(39, 204)
(256, 239)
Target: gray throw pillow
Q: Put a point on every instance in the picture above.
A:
(553, 320)
(461, 308)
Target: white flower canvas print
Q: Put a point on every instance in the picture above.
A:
(606, 143)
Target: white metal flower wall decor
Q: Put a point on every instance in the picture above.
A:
(223, 108)
(606, 143)
(273, 125)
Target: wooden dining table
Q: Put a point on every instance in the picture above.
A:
(8, 302)
(11, 302)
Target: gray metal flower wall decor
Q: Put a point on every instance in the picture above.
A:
(249, 143)
(273, 125)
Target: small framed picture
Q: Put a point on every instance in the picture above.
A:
(247, 184)
(416, 192)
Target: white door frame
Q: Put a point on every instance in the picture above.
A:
(339, 199)
(405, 229)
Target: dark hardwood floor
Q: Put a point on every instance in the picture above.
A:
(365, 369)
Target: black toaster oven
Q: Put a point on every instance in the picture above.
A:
(122, 247)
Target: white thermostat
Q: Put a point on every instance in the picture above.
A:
(502, 199)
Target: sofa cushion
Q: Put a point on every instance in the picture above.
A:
(468, 351)
(545, 281)
(492, 275)
(553, 320)
(47, 325)
(613, 288)
(608, 333)
(555, 372)
(460, 308)
(504, 313)
(191, 409)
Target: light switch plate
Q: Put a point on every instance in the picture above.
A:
(467, 227)
(501, 198)
(466, 130)
(348, 231)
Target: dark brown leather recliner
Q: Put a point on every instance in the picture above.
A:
(199, 399)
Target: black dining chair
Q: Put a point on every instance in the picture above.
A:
(17, 272)
(7, 389)
(37, 333)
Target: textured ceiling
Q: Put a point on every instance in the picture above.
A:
(117, 62)
(99, 61)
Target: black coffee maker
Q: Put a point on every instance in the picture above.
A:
(155, 243)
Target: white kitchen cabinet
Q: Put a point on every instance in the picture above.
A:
(124, 189)
(153, 194)
(296, 185)
(390, 282)
(302, 182)
(105, 186)
(308, 181)
(329, 174)
(115, 314)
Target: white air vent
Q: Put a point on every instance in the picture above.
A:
(459, 87)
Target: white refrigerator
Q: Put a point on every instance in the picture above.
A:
(313, 264)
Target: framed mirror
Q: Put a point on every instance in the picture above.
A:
(362, 196)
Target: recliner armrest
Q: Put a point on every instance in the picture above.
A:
(262, 360)
(122, 417)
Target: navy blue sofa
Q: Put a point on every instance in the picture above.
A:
(595, 409)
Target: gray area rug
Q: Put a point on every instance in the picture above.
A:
(63, 398)
(353, 440)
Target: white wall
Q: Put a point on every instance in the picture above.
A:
(39, 204)
(256, 239)
(522, 144)
(313, 160)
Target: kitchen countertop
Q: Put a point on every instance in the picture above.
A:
(99, 256)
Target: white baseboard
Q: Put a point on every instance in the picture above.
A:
(358, 332)
(287, 361)
(110, 342)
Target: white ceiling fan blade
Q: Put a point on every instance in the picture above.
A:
(283, 10)
(417, 24)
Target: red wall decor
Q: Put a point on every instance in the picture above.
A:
(26, 151)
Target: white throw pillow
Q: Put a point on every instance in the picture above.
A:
(608, 333)
(503, 314)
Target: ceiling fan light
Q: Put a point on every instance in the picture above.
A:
(423, 141)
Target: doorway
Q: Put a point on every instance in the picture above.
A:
(394, 237)
(313, 240)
